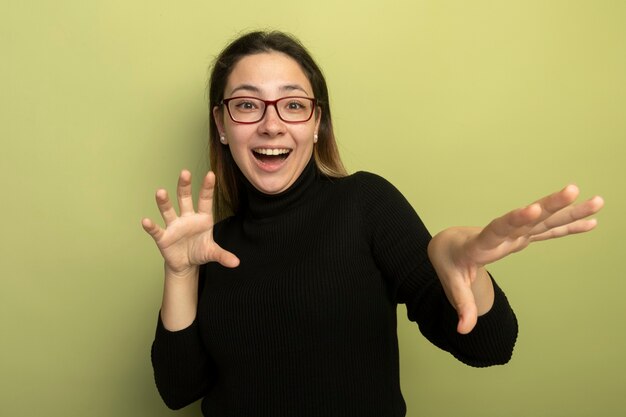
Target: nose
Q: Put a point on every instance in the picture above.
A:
(271, 124)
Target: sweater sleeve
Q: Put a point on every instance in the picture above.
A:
(183, 370)
(399, 242)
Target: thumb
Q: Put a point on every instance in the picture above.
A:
(224, 257)
(462, 299)
(468, 317)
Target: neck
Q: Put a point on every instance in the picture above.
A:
(259, 205)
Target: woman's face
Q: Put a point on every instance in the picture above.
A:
(268, 76)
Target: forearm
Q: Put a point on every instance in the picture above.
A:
(492, 340)
(183, 370)
(180, 299)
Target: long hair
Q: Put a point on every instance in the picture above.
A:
(228, 185)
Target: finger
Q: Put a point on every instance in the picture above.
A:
(519, 222)
(558, 200)
(522, 218)
(580, 226)
(205, 199)
(184, 193)
(165, 207)
(570, 215)
(152, 228)
(543, 208)
(509, 227)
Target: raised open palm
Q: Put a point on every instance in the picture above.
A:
(459, 253)
(187, 239)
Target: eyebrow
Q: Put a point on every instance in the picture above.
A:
(254, 89)
(247, 87)
(293, 87)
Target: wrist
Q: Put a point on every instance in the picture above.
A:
(180, 275)
(452, 246)
(180, 298)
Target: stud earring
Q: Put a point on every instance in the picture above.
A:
(315, 138)
(223, 139)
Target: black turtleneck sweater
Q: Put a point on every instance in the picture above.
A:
(306, 324)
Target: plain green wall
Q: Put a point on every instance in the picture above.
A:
(471, 108)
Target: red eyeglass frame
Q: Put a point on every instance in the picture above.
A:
(268, 103)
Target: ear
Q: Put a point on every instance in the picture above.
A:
(218, 116)
(318, 118)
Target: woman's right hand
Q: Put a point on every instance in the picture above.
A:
(187, 240)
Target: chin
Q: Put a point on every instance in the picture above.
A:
(272, 187)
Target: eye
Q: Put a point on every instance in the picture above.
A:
(295, 105)
(245, 105)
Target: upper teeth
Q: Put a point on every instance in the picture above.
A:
(271, 151)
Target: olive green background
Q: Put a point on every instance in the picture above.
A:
(470, 108)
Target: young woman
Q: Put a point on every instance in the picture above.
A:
(281, 288)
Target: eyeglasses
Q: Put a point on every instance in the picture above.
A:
(248, 110)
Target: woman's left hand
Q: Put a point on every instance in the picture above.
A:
(460, 253)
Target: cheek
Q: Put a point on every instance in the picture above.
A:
(305, 135)
(237, 142)
(238, 150)
(238, 134)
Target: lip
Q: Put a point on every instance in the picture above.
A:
(275, 165)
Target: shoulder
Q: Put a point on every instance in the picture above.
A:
(372, 188)
(363, 181)
(364, 176)
(372, 196)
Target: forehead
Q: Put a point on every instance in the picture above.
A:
(270, 73)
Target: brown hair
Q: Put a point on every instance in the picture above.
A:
(325, 153)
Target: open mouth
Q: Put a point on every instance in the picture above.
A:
(271, 156)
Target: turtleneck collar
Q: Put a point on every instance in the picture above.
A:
(259, 205)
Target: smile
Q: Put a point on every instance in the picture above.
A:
(271, 152)
(271, 160)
